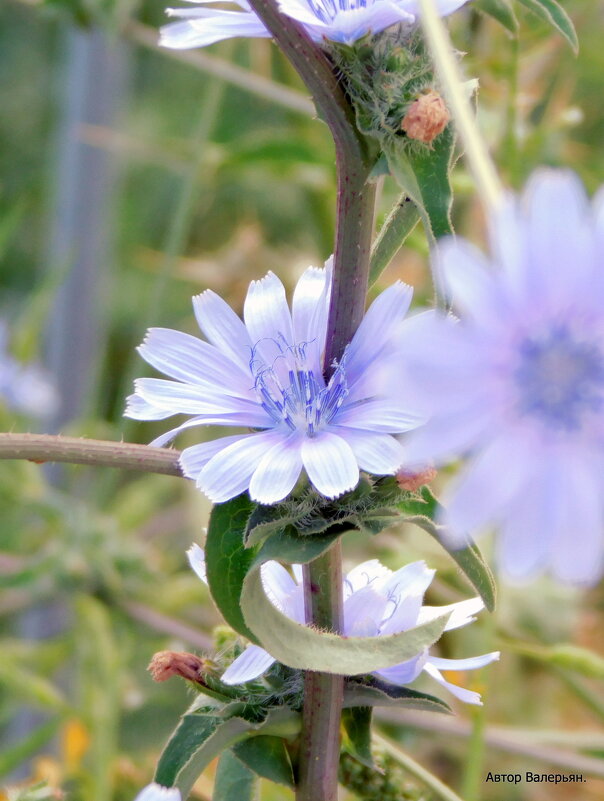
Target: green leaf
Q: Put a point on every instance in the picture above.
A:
(202, 735)
(469, 559)
(375, 692)
(423, 174)
(227, 560)
(501, 10)
(357, 725)
(552, 12)
(268, 757)
(306, 648)
(234, 781)
(293, 548)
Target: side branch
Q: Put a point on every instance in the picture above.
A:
(126, 455)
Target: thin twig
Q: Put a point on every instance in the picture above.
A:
(167, 625)
(42, 448)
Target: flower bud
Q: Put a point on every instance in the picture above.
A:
(410, 481)
(165, 664)
(426, 117)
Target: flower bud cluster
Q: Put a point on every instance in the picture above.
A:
(388, 78)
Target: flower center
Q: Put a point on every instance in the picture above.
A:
(291, 391)
(560, 379)
(326, 10)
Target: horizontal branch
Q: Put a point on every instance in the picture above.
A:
(42, 448)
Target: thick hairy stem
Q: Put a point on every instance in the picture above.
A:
(50, 448)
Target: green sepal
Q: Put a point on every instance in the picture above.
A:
(356, 722)
(227, 560)
(268, 758)
(423, 173)
(422, 511)
(205, 732)
(501, 10)
(374, 692)
(552, 12)
(234, 781)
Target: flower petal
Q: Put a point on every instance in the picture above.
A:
(155, 792)
(468, 696)
(228, 473)
(363, 575)
(267, 316)
(191, 360)
(214, 28)
(405, 672)
(253, 662)
(278, 585)
(330, 464)
(221, 326)
(405, 590)
(278, 471)
(197, 560)
(380, 454)
(471, 663)
(194, 459)
(363, 612)
(460, 613)
(382, 416)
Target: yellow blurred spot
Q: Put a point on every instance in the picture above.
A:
(75, 742)
(46, 769)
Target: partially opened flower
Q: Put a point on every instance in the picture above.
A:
(266, 374)
(376, 601)
(155, 792)
(519, 382)
(342, 21)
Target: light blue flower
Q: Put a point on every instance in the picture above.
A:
(518, 384)
(155, 792)
(26, 388)
(376, 601)
(342, 21)
(266, 374)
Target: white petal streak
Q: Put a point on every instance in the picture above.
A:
(460, 613)
(278, 471)
(215, 28)
(278, 585)
(468, 277)
(228, 473)
(251, 664)
(379, 416)
(155, 792)
(380, 454)
(330, 464)
(471, 663)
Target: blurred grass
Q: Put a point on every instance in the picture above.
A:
(214, 203)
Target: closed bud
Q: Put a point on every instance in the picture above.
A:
(426, 117)
(165, 664)
(411, 481)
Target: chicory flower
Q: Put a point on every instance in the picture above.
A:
(342, 21)
(376, 601)
(518, 382)
(266, 373)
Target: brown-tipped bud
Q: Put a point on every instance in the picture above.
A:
(426, 117)
(165, 664)
(411, 482)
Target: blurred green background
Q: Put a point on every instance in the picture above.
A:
(132, 178)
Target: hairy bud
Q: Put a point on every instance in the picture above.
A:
(426, 117)
(165, 664)
(410, 481)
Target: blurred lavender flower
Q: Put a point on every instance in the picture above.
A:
(267, 374)
(154, 792)
(25, 388)
(376, 601)
(342, 21)
(519, 382)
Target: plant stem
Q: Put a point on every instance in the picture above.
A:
(323, 692)
(54, 448)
